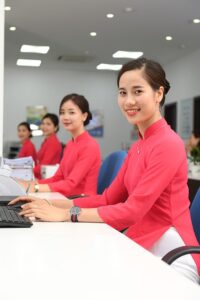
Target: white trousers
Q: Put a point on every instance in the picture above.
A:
(185, 264)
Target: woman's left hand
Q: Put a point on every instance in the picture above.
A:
(44, 212)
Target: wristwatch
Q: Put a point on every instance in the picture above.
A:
(74, 212)
(36, 187)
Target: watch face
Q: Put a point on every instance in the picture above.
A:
(75, 210)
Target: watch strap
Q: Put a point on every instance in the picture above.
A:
(74, 218)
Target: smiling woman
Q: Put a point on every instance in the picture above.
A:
(80, 164)
(51, 148)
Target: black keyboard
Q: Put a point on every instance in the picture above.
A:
(9, 217)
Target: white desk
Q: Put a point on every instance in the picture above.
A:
(83, 261)
(48, 195)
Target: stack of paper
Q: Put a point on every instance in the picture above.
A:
(21, 168)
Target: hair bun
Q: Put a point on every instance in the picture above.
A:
(167, 86)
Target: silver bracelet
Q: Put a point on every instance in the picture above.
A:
(47, 201)
(28, 187)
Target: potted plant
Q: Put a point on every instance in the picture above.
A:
(195, 159)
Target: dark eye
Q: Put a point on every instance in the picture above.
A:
(122, 93)
(137, 92)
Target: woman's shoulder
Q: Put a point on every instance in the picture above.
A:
(91, 141)
(53, 139)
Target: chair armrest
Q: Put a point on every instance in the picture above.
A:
(171, 256)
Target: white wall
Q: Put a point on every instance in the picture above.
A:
(34, 86)
(1, 72)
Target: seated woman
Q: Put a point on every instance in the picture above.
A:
(51, 148)
(24, 135)
(79, 167)
(149, 196)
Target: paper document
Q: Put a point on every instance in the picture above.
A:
(23, 162)
(20, 168)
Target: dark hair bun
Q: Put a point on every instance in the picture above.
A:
(89, 117)
(167, 86)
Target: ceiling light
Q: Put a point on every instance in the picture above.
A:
(168, 38)
(7, 8)
(127, 54)
(108, 67)
(29, 62)
(34, 49)
(12, 28)
(196, 21)
(110, 16)
(93, 33)
(128, 9)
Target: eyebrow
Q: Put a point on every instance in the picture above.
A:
(68, 109)
(134, 87)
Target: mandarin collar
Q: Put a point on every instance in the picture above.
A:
(52, 136)
(80, 137)
(153, 128)
(25, 142)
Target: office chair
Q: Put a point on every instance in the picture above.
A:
(174, 254)
(109, 169)
(195, 214)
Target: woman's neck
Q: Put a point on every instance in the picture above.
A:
(145, 125)
(77, 133)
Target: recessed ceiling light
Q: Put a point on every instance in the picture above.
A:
(127, 54)
(110, 16)
(93, 33)
(108, 67)
(128, 9)
(34, 49)
(7, 8)
(12, 28)
(29, 62)
(168, 38)
(196, 21)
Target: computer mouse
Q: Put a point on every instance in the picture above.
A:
(17, 206)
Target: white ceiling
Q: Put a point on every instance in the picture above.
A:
(65, 25)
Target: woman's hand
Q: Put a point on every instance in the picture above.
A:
(44, 211)
(29, 199)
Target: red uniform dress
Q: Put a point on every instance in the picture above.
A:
(28, 149)
(79, 168)
(49, 154)
(150, 193)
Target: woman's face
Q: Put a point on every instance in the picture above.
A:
(23, 133)
(72, 118)
(48, 127)
(139, 103)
